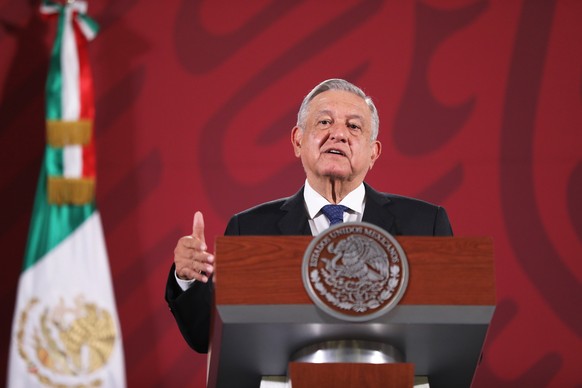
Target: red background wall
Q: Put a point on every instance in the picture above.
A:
(481, 111)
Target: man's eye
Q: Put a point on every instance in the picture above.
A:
(353, 126)
(325, 121)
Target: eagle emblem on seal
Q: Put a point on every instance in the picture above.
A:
(355, 271)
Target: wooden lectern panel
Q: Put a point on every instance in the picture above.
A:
(348, 375)
(443, 270)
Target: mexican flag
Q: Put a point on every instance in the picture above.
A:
(65, 330)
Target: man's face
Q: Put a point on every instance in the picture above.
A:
(336, 141)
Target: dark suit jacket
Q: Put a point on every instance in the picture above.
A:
(396, 214)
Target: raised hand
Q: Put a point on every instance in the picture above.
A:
(193, 261)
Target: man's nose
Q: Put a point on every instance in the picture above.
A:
(338, 132)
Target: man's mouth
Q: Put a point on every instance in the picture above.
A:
(335, 152)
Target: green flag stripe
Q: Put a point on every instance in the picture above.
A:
(54, 80)
(51, 224)
(54, 161)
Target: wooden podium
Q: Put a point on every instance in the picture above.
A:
(263, 315)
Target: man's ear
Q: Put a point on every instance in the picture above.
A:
(296, 137)
(376, 151)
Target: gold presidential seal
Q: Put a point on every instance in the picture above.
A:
(355, 271)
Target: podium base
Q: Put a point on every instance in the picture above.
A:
(350, 363)
(283, 382)
(349, 351)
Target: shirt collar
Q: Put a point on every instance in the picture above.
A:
(315, 201)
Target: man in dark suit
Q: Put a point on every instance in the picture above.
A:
(336, 140)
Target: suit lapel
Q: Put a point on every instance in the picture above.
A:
(376, 211)
(294, 222)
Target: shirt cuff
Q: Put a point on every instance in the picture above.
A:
(183, 284)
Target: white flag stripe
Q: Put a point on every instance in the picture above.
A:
(70, 93)
(72, 161)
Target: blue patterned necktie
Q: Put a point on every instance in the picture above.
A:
(334, 213)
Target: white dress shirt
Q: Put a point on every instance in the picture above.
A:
(318, 222)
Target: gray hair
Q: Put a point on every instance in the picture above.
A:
(338, 84)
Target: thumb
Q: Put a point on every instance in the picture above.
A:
(198, 227)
